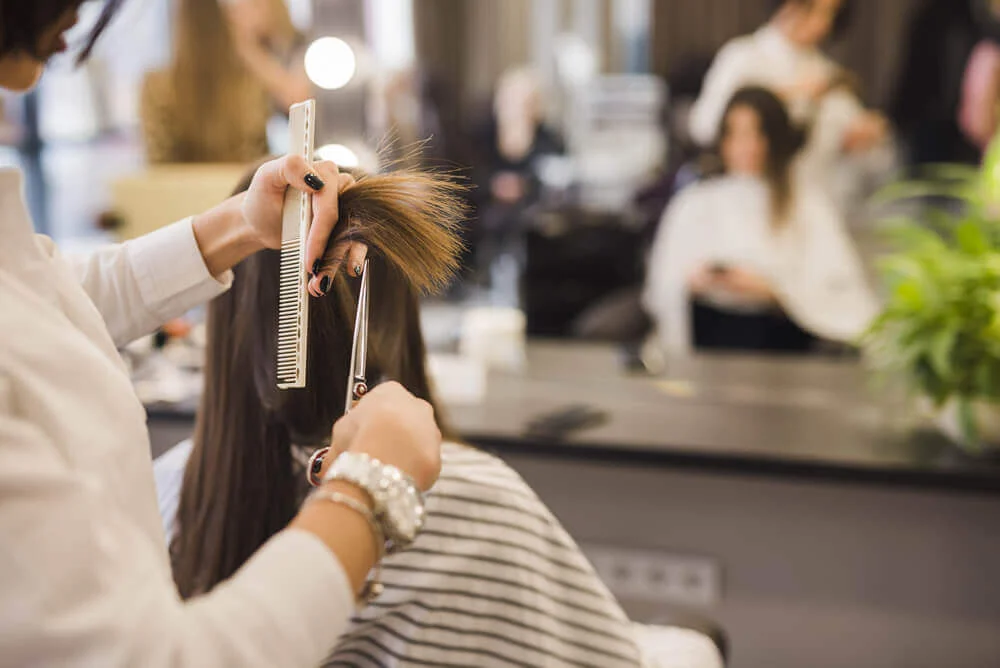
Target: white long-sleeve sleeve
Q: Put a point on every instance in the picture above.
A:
(82, 588)
(139, 285)
(85, 580)
(825, 147)
(826, 289)
(730, 70)
(676, 253)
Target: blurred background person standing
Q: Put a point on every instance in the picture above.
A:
(505, 165)
(235, 63)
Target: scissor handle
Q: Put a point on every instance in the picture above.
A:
(360, 389)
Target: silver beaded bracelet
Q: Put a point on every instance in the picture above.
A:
(373, 587)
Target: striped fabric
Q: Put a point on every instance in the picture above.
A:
(493, 580)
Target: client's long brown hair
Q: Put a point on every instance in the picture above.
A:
(784, 141)
(239, 487)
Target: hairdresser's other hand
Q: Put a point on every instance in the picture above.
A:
(701, 280)
(746, 284)
(393, 426)
(739, 282)
(811, 86)
(508, 187)
(868, 131)
(247, 24)
(263, 203)
(347, 255)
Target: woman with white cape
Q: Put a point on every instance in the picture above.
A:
(756, 259)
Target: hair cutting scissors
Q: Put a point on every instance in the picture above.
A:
(357, 381)
(357, 378)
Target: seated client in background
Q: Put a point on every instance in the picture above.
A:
(755, 258)
(493, 579)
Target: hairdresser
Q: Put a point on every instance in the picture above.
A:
(84, 573)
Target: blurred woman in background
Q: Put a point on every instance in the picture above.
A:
(507, 150)
(235, 63)
(755, 259)
(847, 143)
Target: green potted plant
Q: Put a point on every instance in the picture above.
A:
(940, 327)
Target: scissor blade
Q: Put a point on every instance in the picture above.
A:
(356, 375)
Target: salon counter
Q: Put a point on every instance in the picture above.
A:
(824, 534)
(792, 418)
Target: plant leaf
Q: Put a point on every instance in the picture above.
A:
(948, 172)
(941, 346)
(910, 295)
(967, 421)
(971, 239)
(910, 190)
(901, 231)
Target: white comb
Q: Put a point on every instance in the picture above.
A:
(293, 299)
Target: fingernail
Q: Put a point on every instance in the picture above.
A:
(314, 182)
(317, 265)
(358, 269)
(324, 285)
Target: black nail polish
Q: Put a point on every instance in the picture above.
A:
(324, 285)
(314, 182)
(358, 269)
(317, 265)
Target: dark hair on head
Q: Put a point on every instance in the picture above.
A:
(784, 141)
(240, 486)
(841, 22)
(24, 22)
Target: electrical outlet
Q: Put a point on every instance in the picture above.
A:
(663, 577)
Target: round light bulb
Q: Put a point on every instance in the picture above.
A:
(338, 153)
(330, 63)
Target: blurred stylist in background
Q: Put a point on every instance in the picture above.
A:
(235, 64)
(84, 574)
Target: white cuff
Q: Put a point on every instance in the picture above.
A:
(304, 588)
(171, 272)
(673, 647)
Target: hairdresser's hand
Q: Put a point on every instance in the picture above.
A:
(396, 428)
(263, 204)
(744, 284)
(702, 280)
(810, 87)
(247, 24)
(868, 131)
(508, 187)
